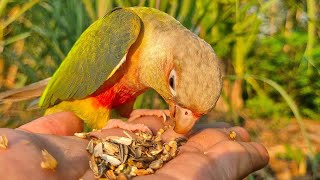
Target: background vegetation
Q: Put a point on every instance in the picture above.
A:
(269, 51)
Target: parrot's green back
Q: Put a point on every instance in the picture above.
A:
(96, 55)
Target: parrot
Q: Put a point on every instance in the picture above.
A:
(127, 52)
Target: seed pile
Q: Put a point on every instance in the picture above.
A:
(126, 157)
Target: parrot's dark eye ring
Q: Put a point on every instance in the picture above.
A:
(172, 82)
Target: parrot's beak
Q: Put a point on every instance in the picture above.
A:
(184, 119)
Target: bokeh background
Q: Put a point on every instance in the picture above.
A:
(269, 52)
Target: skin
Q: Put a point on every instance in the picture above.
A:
(219, 158)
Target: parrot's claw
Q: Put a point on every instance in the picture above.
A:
(147, 112)
(117, 123)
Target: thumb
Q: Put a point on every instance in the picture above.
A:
(63, 123)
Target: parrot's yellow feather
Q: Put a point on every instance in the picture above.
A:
(84, 108)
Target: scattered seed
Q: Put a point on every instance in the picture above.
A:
(3, 142)
(232, 135)
(110, 175)
(48, 162)
(82, 135)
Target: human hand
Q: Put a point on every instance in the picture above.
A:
(209, 154)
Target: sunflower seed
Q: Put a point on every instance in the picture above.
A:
(94, 167)
(110, 159)
(123, 153)
(90, 146)
(120, 140)
(98, 151)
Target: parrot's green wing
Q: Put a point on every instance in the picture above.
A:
(97, 54)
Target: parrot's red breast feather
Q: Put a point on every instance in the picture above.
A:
(114, 96)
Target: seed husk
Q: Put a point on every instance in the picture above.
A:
(123, 153)
(94, 167)
(90, 146)
(181, 141)
(3, 142)
(110, 148)
(48, 162)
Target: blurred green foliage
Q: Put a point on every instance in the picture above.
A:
(292, 154)
(276, 40)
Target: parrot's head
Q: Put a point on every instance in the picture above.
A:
(186, 75)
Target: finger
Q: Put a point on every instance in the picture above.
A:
(207, 138)
(63, 123)
(237, 159)
(154, 123)
(201, 126)
(88, 175)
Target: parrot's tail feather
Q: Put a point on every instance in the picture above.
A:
(28, 92)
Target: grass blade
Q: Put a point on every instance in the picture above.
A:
(24, 8)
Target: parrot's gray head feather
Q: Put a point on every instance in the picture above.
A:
(198, 80)
(170, 50)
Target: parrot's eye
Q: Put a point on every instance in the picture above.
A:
(172, 82)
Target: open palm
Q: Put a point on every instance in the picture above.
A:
(208, 154)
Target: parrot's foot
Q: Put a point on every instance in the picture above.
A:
(117, 123)
(148, 112)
